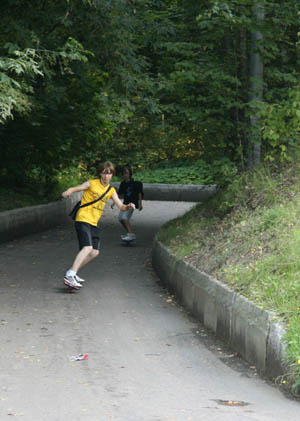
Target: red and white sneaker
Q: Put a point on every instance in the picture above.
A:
(72, 282)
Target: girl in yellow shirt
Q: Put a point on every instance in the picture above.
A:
(87, 219)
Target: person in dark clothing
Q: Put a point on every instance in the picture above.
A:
(132, 192)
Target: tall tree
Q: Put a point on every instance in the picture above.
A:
(74, 105)
(256, 86)
(141, 80)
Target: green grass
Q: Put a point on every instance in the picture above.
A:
(200, 172)
(175, 175)
(248, 237)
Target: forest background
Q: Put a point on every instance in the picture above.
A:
(149, 83)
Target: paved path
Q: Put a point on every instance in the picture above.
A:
(147, 359)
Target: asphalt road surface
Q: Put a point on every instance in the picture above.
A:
(148, 360)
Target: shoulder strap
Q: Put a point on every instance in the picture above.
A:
(96, 200)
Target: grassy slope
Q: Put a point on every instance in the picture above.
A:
(249, 237)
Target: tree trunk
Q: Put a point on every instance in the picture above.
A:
(256, 88)
(244, 77)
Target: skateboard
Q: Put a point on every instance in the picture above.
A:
(127, 242)
(70, 290)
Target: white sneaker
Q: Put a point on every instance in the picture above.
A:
(129, 237)
(78, 279)
(71, 281)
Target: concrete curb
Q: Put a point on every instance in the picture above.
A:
(19, 222)
(177, 192)
(247, 329)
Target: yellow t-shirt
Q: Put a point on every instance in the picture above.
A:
(92, 213)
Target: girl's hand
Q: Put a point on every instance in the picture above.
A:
(66, 193)
(70, 190)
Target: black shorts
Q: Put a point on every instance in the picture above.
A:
(88, 235)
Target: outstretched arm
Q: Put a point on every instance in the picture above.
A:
(80, 187)
(120, 205)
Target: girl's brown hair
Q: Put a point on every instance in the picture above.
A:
(106, 167)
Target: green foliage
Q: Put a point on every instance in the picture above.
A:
(143, 83)
(218, 172)
(280, 125)
(14, 90)
(73, 111)
(20, 68)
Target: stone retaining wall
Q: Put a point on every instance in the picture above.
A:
(247, 329)
(19, 222)
(177, 192)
